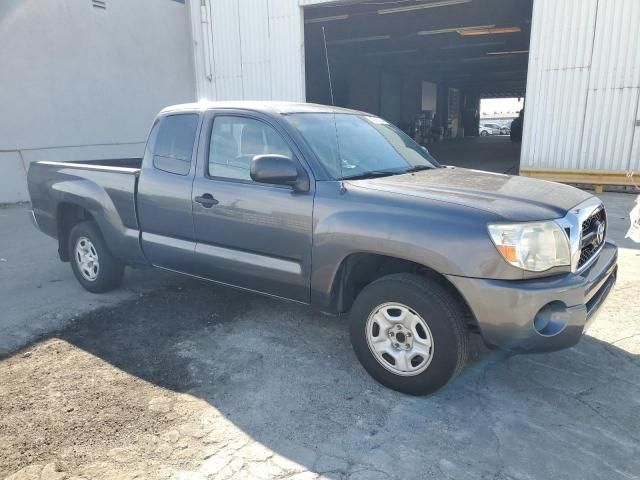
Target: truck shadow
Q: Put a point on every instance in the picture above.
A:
(287, 378)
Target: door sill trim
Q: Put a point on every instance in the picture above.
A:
(264, 294)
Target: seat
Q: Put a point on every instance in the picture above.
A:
(251, 144)
(224, 148)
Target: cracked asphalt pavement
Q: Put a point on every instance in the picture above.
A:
(170, 378)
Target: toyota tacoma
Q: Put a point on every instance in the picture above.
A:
(340, 210)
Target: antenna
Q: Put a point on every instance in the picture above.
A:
(326, 56)
(343, 189)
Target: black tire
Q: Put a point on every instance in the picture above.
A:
(110, 272)
(484, 133)
(439, 310)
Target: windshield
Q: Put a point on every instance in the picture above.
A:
(350, 145)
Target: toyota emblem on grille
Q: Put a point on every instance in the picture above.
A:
(600, 229)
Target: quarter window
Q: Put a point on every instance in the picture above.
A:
(174, 144)
(234, 143)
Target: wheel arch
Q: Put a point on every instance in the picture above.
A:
(358, 270)
(68, 215)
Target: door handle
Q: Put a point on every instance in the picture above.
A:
(206, 200)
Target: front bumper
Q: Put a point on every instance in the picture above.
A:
(542, 314)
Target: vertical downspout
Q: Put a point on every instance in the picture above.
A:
(205, 26)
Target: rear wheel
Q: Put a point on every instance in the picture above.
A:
(484, 133)
(409, 333)
(93, 265)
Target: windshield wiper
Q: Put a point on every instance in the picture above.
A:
(371, 174)
(417, 168)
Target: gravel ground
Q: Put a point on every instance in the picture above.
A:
(187, 380)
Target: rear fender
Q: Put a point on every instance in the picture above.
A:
(109, 212)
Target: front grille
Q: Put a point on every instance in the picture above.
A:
(593, 235)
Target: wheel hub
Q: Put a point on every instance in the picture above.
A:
(86, 257)
(399, 339)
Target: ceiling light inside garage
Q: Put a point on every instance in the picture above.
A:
(488, 31)
(327, 19)
(453, 29)
(359, 39)
(411, 8)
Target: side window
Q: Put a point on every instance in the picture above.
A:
(174, 144)
(234, 143)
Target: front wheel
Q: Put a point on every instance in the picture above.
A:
(92, 263)
(409, 333)
(484, 133)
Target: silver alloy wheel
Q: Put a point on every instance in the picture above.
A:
(399, 339)
(87, 259)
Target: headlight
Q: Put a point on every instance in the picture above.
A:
(535, 246)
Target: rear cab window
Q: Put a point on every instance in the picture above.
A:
(174, 144)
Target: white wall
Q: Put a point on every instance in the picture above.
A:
(82, 82)
(248, 49)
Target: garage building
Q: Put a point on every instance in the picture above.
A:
(98, 70)
(577, 62)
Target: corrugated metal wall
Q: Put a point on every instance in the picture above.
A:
(583, 89)
(248, 49)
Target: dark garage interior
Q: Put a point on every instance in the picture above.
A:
(423, 66)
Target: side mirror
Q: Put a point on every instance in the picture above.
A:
(277, 170)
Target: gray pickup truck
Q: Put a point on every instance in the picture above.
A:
(340, 210)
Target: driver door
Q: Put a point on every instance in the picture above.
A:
(250, 235)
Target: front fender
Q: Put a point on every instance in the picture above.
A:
(445, 237)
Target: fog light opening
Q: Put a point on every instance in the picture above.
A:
(551, 319)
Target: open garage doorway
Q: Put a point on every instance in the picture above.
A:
(424, 66)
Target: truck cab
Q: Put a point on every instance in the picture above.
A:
(201, 213)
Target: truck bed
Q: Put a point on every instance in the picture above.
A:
(114, 162)
(127, 163)
(104, 190)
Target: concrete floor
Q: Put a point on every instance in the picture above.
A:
(495, 154)
(37, 293)
(172, 378)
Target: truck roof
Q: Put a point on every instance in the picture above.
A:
(282, 108)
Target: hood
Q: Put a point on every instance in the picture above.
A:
(518, 199)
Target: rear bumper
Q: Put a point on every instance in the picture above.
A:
(541, 314)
